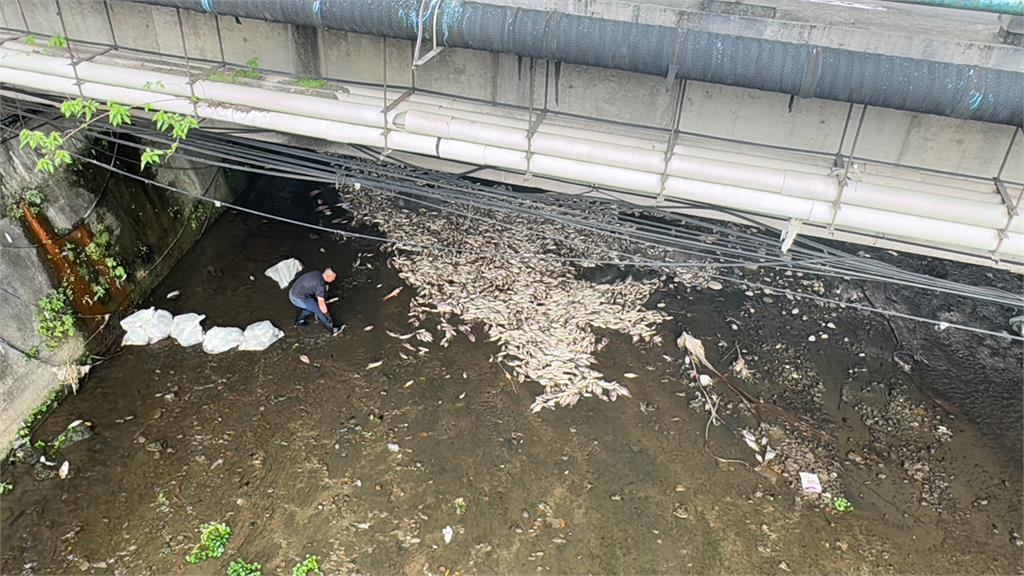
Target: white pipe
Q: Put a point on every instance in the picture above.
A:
(775, 192)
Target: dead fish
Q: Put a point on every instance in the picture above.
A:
(407, 384)
(304, 358)
(368, 328)
(392, 294)
(64, 469)
(314, 193)
(629, 375)
(320, 208)
(373, 365)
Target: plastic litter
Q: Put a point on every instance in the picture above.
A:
(220, 339)
(810, 483)
(135, 327)
(260, 335)
(159, 327)
(284, 271)
(186, 329)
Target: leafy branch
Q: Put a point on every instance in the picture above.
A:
(51, 146)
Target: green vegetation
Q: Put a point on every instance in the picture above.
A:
(149, 85)
(842, 505)
(30, 40)
(32, 198)
(5, 487)
(252, 72)
(310, 83)
(242, 568)
(51, 146)
(55, 320)
(98, 250)
(213, 538)
(460, 505)
(311, 565)
(37, 415)
(201, 211)
(58, 41)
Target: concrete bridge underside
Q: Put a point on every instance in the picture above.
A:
(659, 117)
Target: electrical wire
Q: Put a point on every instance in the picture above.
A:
(291, 165)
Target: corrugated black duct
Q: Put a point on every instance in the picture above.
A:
(954, 90)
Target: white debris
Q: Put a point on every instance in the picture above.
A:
(448, 534)
(259, 336)
(392, 447)
(284, 272)
(186, 329)
(221, 339)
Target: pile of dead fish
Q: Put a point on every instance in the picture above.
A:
(503, 271)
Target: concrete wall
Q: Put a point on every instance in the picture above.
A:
(134, 214)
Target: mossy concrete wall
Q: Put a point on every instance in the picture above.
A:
(150, 229)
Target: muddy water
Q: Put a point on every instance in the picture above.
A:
(295, 457)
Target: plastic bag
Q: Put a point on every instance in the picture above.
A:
(135, 327)
(220, 339)
(284, 271)
(135, 338)
(260, 335)
(186, 329)
(159, 327)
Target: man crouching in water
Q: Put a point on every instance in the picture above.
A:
(308, 295)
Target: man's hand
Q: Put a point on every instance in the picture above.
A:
(322, 303)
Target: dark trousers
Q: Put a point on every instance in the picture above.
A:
(308, 307)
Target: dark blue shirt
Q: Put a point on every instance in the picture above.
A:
(309, 285)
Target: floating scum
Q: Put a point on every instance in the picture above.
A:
(539, 312)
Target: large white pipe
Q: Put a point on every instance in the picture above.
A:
(742, 192)
(853, 217)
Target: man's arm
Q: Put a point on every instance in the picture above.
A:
(322, 303)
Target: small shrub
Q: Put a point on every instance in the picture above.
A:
(5, 487)
(213, 539)
(242, 568)
(55, 320)
(311, 565)
(842, 505)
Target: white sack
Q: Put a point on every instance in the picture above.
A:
(284, 271)
(186, 329)
(159, 327)
(135, 338)
(260, 335)
(220, 339)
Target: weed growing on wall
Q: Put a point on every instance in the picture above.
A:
(33, 199)
(55, 320)
(310, 83)
(40, 412)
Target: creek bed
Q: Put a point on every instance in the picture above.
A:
(300, 458)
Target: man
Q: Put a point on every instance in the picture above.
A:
(308, 295)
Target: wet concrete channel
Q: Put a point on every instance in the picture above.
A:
(295, 457)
